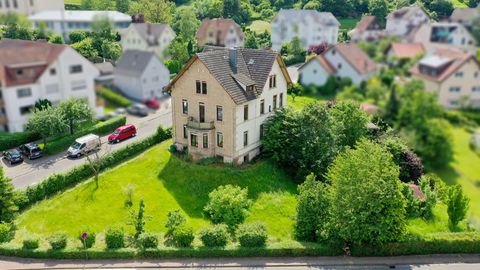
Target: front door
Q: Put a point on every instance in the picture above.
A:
(201, 110)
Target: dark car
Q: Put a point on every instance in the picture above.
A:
(138, 109)
(13, 156)
(31, 151)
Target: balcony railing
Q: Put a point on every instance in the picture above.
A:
(192, 123)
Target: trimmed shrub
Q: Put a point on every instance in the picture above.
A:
(215, 236)
(114, 98)
(89, 241)
(183, 236)
(252, 234)
(13, 140)
(30, 244)
(58, 241)
(5, 232)
(147, 240)
(114, 238)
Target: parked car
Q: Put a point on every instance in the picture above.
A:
(13, 156)
(119, 111)
(30, 150)
(138, 109)
(152, 104)
(83, 145)
(122, 133)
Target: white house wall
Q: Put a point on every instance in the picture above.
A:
(342, 66)
(314, 73)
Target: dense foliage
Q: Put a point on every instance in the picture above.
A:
(148, 240)
(457, 203)
(8, 206)
(252, 234)
(58, 241)
(410, 165)
(183, 236)
(114, 238)
(215, 236)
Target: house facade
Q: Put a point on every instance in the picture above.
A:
(221, 100)
(150, 37)
(29, 7)
(62, 22)
(465, 16)
(141, 75)
(454, 76)
(367, 29)
(341, 61)
(220, 32)
(38, 70)
(401, 22)
(445, 34)
(311, 26)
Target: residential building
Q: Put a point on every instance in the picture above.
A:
(150, 37)
(220, 32)
(311, 26)
(405, 50)
(29, 7)
(221, 100)
(63, 22)
(31, 70)
(451, 74)
(465, 16)
(141, 75)
(341, 61)
(445, 34)
(405, 20)
(367, 29)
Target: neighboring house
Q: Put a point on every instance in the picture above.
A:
(342, 61)
(141, 75)
(367, 29)
(453, 75)
(220, 32)
(64, 22)
(106, 74)
(405, 20)
(221, 100)
(405, 50)
(445, 34)
(151, 37)
(311, 26)
(32, 70)
(465, 16)
(29, 7)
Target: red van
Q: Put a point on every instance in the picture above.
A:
(122, 133)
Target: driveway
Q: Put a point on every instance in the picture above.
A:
(32, 171)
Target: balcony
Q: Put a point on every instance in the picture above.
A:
(194, 124)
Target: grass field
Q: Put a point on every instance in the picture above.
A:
(259, 26)
(460, 3)
(165, 183)
(348, 24)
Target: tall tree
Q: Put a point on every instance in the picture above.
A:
(122, 5)
(42, 104)
(208, 8)
(457, 205)
(8, 208)
(154, 11)
(230, 8)
(75, 111)
(186, 23)
(379, 9)
(47, 122)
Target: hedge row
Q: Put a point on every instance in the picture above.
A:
(62, 143)
(13, 140)
(441, 243)
(114, 98)
(60, 182)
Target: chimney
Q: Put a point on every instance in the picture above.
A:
(149, 28)
(232, 56)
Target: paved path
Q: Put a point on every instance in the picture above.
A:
(432, 262)
(33, 171)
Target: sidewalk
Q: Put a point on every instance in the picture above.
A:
(7, 263)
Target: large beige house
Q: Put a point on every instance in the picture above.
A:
(453, 75)
(221, 100)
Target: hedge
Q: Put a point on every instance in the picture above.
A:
(13, 140)
(114, 98)
(62, 143)
(60, 182)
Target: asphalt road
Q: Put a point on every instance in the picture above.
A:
(32, 171)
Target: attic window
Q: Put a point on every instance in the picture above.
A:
(250, 88)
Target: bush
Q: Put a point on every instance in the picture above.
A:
(13, 140)
(147, 240)
(59, 182)
(183, 236)
(89, 241)
(215, 236)
(58, 241)
(114, 238)
(5, 232)
(114, 98)
(252, 235)
(30, 243)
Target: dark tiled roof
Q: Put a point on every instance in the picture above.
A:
(133, 62)
(252, 66)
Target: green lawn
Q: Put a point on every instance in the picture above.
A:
(348, 24)
(465, 170)
(302, 101)
(460, 3)
(259, 26)
(165, 183)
